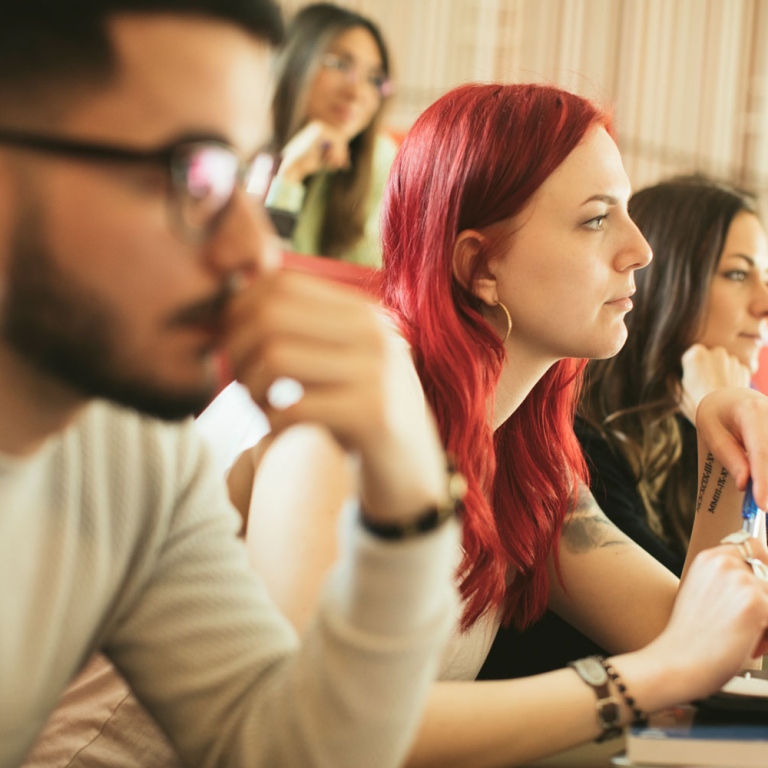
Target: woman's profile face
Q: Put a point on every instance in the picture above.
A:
(567, 276)
(346, 89)
(737, 307)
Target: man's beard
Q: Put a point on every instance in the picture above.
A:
(65, 331)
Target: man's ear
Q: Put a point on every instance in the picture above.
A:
(470, 266)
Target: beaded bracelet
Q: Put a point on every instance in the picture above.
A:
(638, 716)
(429, 519)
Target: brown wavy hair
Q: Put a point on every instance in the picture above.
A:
(633, 399)
(307, 38)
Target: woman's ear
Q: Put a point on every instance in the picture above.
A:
(470, 266)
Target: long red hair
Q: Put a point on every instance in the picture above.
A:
(472, 159)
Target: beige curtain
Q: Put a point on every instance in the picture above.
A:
(688, 79)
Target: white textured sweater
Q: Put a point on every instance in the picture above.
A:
(118, 535)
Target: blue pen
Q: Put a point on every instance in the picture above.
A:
(749, 510)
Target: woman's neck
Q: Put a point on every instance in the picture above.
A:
(519, 376)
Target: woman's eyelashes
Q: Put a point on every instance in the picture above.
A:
(596, 223)
(735, 275)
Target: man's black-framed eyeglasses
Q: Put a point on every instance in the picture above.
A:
(204, 173)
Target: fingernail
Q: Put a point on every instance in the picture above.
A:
(225, 372)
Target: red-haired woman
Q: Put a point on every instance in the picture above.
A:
(509, 258)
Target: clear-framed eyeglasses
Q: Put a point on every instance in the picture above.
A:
(204, 173)
(350, 70)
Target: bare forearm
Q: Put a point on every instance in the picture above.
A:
(718, 506)
(502, 722)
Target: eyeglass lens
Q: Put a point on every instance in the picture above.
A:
(206, 176)
(347, 68)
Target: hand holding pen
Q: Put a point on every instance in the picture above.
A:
(750, 512)
(751, 516)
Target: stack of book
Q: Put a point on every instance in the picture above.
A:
(727, 730)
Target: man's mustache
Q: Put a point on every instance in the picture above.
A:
(209, 312)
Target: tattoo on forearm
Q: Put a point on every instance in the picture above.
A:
(588, 528)
(722, 479)
(706, 474)
(718, 490)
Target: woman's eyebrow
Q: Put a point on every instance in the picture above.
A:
(608, 199)
(750, 261)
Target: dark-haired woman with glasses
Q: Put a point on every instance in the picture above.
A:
(332, 83)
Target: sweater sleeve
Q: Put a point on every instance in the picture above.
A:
(222, 671)
(368, 250)
(285, 195)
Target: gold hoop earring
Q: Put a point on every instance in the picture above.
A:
(509, 320)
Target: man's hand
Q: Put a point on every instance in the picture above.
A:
(357, 378)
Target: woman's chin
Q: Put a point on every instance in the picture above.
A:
(612, 348)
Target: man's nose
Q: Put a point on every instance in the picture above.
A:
(244, 241)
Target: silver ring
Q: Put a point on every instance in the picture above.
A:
(759, 568)
(740, 539)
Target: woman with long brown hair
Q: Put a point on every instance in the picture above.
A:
(699, 318)
(333, 80)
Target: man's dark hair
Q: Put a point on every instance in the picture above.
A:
(48, 42)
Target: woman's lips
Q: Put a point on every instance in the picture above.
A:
(755, 338)
(624, 303)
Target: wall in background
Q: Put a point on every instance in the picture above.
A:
(688, 78)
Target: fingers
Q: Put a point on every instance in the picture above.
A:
(295, 307)
(723, 440)
(751, 550)
(751, 424)
(753, 555)
(317, 146)
(721, 615)
(705, 370)
(353, 375)
(334, 152)
(733, 424)
(323, 336)
(330, 406)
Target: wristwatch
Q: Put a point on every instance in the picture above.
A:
(592, 672)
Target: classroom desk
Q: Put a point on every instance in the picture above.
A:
(586, 756)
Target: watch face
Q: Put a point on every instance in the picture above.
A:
(591, 671)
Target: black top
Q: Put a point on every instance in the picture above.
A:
(551, 643)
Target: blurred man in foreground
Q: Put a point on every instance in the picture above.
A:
(133, 256)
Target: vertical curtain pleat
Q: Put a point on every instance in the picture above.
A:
(688, 79)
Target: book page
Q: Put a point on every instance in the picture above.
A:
(744, 685)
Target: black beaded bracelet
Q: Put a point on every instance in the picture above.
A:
(429, 519)
(638, 716)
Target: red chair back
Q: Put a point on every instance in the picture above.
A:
(366, 279)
